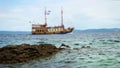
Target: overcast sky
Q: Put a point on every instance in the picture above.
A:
(81, 14)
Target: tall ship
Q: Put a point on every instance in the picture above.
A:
(39, 29)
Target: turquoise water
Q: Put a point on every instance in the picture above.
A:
(104, 51)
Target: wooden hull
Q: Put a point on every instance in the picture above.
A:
(65, 31)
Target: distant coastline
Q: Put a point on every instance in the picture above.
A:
(15, 32)
(87, 30)
(100, 30)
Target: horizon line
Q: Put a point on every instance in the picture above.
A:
(74, 30)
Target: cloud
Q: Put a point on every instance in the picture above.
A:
(82, 14)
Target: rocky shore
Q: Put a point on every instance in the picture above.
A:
(26, 52)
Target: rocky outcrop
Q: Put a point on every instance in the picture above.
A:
(25, 52)
(64, 46)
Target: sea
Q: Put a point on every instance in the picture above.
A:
(104, 51)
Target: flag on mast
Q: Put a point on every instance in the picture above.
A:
(48, 12)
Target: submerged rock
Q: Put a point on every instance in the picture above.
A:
(76, 48)
(85, 47)
(76, 44)
(25, 52)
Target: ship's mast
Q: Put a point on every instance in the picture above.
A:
(62, 17)
(45, 16)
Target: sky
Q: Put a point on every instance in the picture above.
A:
(80, 14)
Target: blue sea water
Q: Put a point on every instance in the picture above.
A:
(104, 51)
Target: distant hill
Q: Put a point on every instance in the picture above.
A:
(15, 32)
(100, 30)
